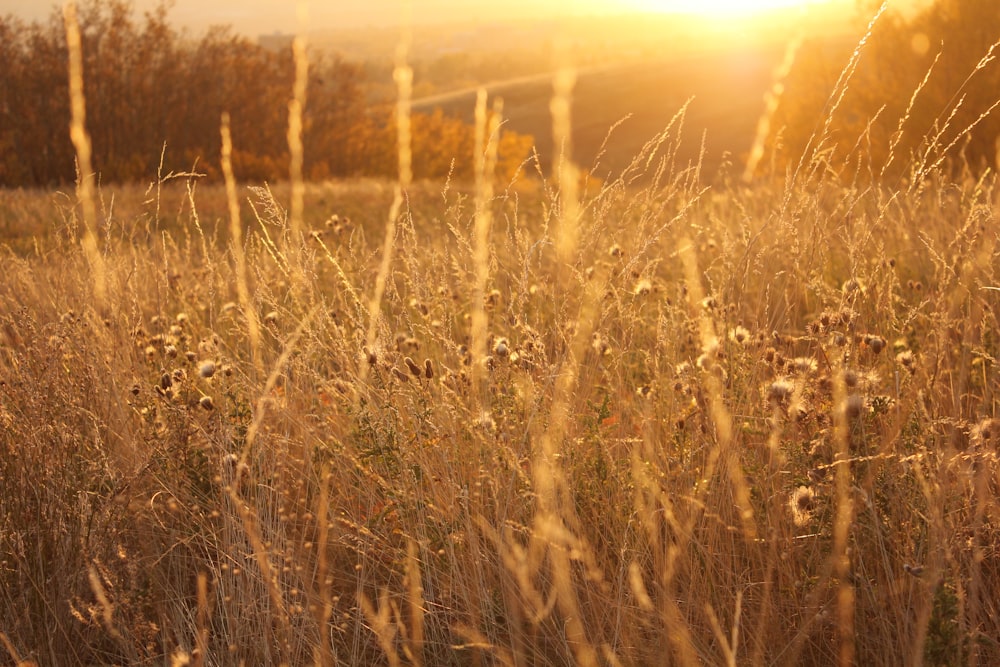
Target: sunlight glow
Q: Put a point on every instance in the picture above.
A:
(722, 9)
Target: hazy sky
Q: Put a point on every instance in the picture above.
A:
(263, 16)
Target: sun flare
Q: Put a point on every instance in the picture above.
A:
(722, 9)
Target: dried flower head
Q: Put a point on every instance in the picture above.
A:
(416, 304)
(206, 369)
(853, 406)
(415, 370)
(600, 345)
(428, 369)
(501, 348)
(985, 434)
(487, 423)
(739, 335)
(643, 287)
(407, 344)
(206, 402)
(906, 360)
(780, 391)
(875, 343)
(804, 365)
(853, 285)
(802, 502)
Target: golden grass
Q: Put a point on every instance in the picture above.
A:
(726, 425)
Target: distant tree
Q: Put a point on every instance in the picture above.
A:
(148, 86)
(948, 51)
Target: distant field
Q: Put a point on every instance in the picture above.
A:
(726, 90)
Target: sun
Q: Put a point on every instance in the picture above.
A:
(722, 9)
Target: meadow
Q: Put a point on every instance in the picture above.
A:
(664, 418)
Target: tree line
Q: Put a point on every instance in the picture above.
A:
(152, 90)
(922, 94)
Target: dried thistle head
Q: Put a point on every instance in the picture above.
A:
(875, 343)
(780, 392)
(600, 345)
(802, 503)
(501, 348)
(854, 406)
(739, 335)
(907, 361)
(985, 434)
(804, 365)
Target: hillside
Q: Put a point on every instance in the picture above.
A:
(725, 88)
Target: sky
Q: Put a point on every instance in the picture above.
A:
(267, 16)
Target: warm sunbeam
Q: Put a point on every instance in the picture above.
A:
(722, 9)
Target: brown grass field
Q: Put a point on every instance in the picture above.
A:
(372, 423)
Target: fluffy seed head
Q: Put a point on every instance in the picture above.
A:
(501, 348)
(780, 391)
(802, 503)
(854, 406)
